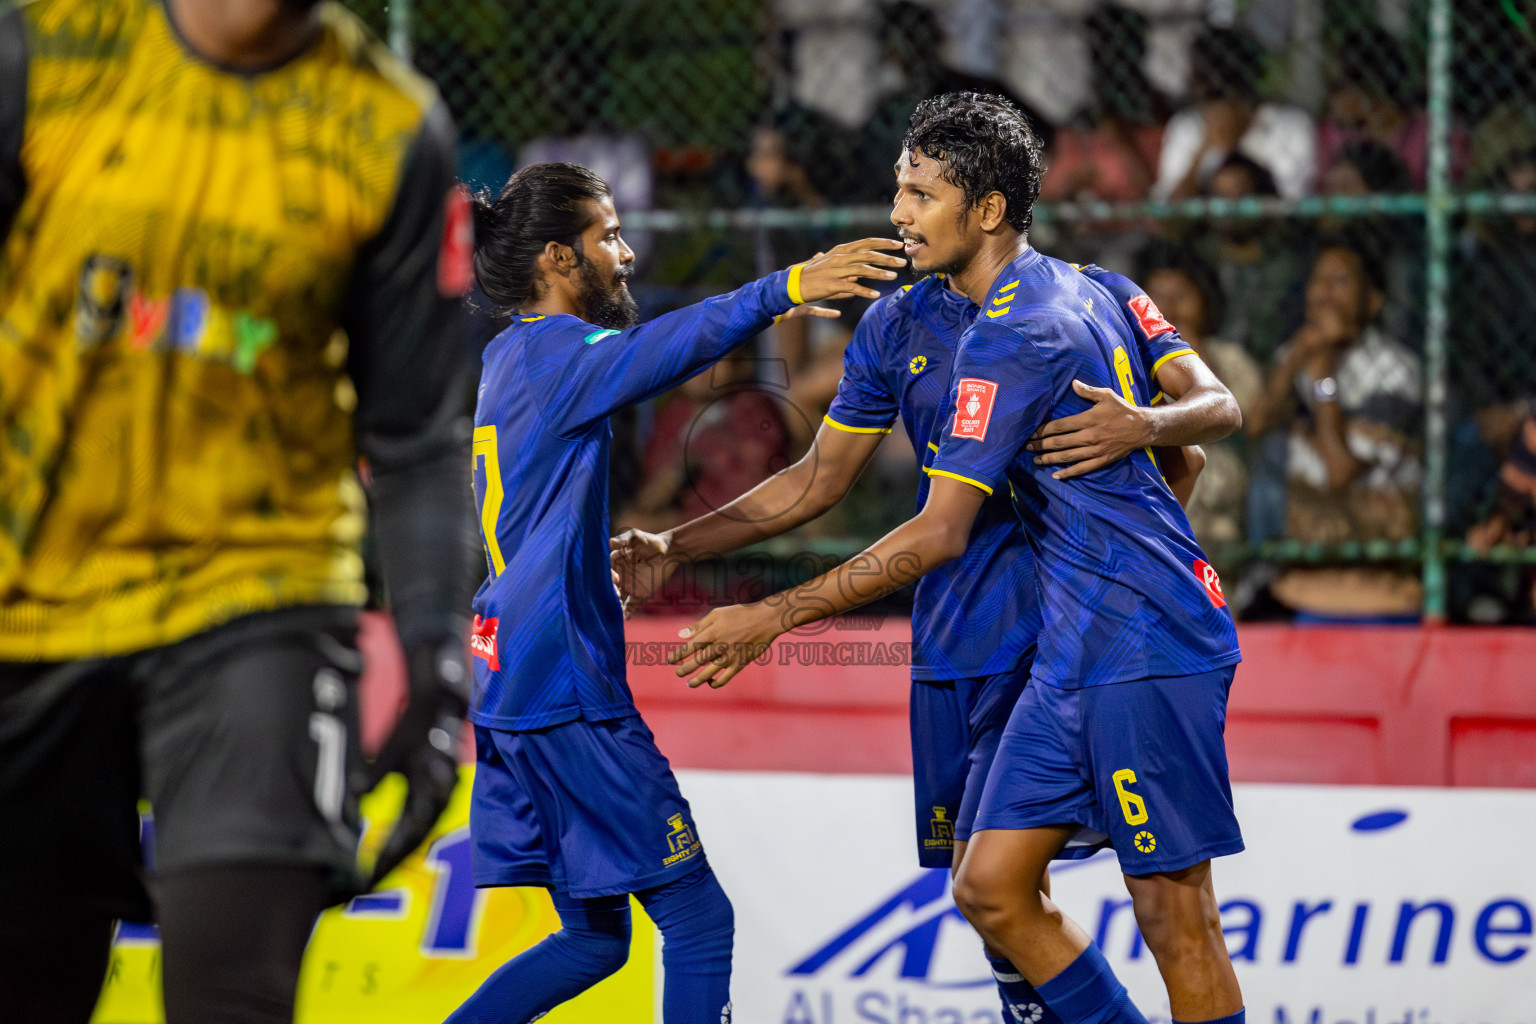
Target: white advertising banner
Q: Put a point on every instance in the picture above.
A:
(1351, 905)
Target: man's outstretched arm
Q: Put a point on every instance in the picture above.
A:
(642, 562)
(727, 639)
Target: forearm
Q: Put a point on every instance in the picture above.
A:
(1329, 440)
(1278, 391)
(423, 525)
(777, 505)
(1199, 416)
(916, 547)
(1181, 469)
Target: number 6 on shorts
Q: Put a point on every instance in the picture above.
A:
(1132, 806)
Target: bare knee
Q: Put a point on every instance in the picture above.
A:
(986, 898)
(1177, 920)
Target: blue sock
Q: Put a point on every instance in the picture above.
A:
(1021, 1003)
(1240, 1017)
(1088, 992)
(697, 927)
(592, 943)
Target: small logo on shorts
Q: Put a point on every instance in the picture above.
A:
(681, 841)
(941, 828)
(1145, 841)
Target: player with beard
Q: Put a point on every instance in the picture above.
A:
(233, 266)
(570, 791)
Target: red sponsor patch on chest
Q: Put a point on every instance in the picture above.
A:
(1211, 582)
(456, 254)
(482, 641)
(973, 408)
(1149, 316)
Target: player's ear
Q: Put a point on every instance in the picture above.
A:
(559, 258)
(993, 211)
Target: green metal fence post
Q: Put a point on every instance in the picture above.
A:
(400, 28)
(1437, 214)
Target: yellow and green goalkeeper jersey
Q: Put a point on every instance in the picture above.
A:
(217, 289)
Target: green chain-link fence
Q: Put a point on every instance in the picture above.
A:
(1323, 193)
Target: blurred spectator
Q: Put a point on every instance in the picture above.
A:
(1187, 291)
(1366, 167)
(1362, 167)
(1260, 264)
(1513, 518)
(911, 43)
(1111, 153)
(1494, 593)
(1374, 97)
(789, 168)
(1493, 355)
(1228, 118)
(713, 439)
(1349, 400)
(1494, 85)
(791, 162)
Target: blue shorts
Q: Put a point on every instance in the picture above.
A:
(585, 808)
(956, 724)
(1140, 766)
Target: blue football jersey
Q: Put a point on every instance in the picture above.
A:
(1126, 591)
(980, 614)
(549, 632)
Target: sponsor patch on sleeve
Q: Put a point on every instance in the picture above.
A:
(1149, 316)
(1211, 582)
(482, 641)
(455, 254)
(973, 408)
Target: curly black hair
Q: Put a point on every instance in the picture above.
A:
(986, 145)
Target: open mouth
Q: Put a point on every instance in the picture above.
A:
(910, 245)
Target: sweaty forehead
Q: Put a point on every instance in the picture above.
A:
(604, 217)
(915, 167)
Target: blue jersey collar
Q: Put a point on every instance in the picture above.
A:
(1005, 289)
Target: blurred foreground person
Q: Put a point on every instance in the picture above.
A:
(232, 267)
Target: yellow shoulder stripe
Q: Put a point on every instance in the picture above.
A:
(1171, 355)
(956, 476)
(531, 319)
(995, 313)
(855, 430)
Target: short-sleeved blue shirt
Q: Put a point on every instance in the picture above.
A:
(980, 614)
(549, 630)
(1126, 591)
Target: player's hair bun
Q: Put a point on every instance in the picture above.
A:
(539, 204)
